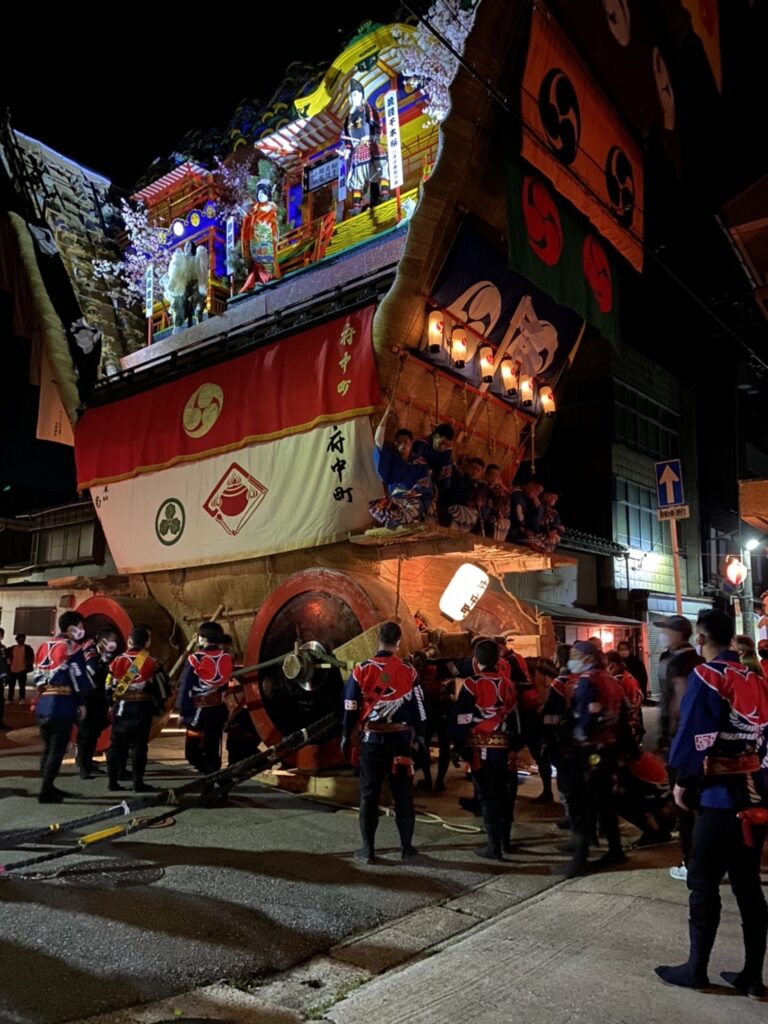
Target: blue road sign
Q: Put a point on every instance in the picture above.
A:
(669, 483)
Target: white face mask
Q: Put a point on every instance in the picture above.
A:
(575, 666)
(110, 646)
(77, 633)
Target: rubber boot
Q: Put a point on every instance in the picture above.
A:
(579, 864)
(749, 980)
(405, 825)
(494, 833)
(693, 973)
(369, 820)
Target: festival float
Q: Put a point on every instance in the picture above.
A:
(228, 453)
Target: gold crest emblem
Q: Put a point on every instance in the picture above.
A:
(202, 410)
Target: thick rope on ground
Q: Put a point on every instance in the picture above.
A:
(235, 774)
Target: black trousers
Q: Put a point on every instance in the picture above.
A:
(530, 723)
(719, 847)
(376, 764)
(129, 735)
(55, 731)
(491, 780)
(88, 732)
(21, 679)
(591, 801)
(203, 743)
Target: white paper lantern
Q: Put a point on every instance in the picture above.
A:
(468, 585)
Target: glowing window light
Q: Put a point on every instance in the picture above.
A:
(435, 329)
(526, 390)
(509, 376)
(486, 363)
(547, 399)
(468, 585)
(459, 347)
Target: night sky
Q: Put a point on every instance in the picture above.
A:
(116, 96)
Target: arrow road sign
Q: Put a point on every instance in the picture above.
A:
(669, 483)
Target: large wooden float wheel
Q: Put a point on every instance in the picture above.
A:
(319, 605)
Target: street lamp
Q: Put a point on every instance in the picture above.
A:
(752, 543)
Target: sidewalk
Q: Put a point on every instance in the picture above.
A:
(580, 953)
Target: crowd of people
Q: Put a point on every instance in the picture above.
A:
(581, 715)
(424, 484)
(87, 689)
(591, 729)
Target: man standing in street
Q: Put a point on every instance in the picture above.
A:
(21, 661)
(634, 666)
(485, 723)
(675, 667)
(600, 729)
(134, 692)
(98, 656)
(62, 686)
(719, 758)
(201, 698)
(383, 700)
(3, 678)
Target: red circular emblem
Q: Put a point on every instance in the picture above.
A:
(597, 271)
(542, 221)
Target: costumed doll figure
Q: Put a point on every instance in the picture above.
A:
(259, 238)
(366, 165)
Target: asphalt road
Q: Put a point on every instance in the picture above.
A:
(229, 893)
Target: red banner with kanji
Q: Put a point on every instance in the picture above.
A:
(321, 375)
(573, 136)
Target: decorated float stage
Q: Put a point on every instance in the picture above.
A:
(230, 460)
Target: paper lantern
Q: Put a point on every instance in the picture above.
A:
(468, 585)
(547, 399)
(435, 331)
(486, 363)
(459, 347)
(526, 390)
(735, 570)
(509, 376)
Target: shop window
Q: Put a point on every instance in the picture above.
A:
(34, 621)
(634, 516)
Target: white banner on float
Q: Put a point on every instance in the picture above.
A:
(296, 492)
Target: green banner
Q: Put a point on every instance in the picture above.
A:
(557, 250)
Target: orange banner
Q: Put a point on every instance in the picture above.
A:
(574, 137)
(705, 24)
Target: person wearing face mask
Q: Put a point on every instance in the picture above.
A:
(62, 685)
(719, 759)
(201, 698)
(405, 476)
(675, 666)
(98, 654)
(600, 734)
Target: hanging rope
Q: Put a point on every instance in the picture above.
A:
(491, 443)
(397, 592)
(392, 392)
(437, 398)
(533, 448)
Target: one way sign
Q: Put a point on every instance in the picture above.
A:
(669, 483)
